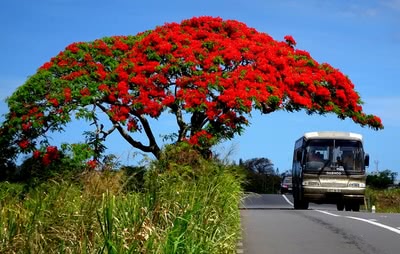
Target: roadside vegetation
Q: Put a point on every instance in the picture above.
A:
(181, 203)
(382, 192)
(385, 201)
(261, 176)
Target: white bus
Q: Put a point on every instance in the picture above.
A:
(329, 167)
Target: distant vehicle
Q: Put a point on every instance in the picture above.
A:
(329, 167)
(286, 184)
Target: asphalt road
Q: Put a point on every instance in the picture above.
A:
(271, 226)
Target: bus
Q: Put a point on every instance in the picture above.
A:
(329, 167)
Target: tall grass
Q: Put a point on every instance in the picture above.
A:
(180, 210)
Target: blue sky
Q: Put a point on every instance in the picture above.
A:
(359, 37)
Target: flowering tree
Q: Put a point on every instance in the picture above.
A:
(208, 72)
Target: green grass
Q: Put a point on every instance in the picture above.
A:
(385, 201)
(180, 210)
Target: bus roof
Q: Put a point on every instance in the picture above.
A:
(333, 134)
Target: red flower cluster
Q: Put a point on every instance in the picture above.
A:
(132, 125)
(46, 66)
(119, 113)
(92, 164)
(85, 92)
(200, 138)
(54, 102)
(289, 39)
(24, 144)
(67, 94)
(74, 75)
(26, 126)
(118, 44)
(74, 47)
(50, 155)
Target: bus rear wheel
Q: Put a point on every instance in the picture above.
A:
(349, 206)
(356, 207)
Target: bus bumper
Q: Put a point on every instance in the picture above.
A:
(332, 195)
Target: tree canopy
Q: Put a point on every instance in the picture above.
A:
(382, 179)
(208, 72)
(259, 166)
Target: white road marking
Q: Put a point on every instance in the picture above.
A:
(371, 221)
(328, 213)
(393, 229)
(287, 200)
(397, 231)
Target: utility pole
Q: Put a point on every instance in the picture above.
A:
(376, 166)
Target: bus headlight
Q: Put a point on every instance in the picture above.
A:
(311, 183)
(356, 185)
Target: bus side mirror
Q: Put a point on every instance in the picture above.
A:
(298, 155)
(366, 160)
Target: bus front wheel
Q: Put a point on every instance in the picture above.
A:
(349, 206)
(300, 204)
(356, 207)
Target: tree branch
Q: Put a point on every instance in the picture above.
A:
(152, 141)
(197, 121)
(152, 147)
(106, 133)
(183, 127)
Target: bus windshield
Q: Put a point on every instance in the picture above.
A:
(334, 155)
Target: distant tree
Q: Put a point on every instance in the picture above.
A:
(260, 166)
(382, 179)
(207, 72)
(261, 175)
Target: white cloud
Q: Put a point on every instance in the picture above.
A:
(358, 10)
(348, 9)
(392, 4)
